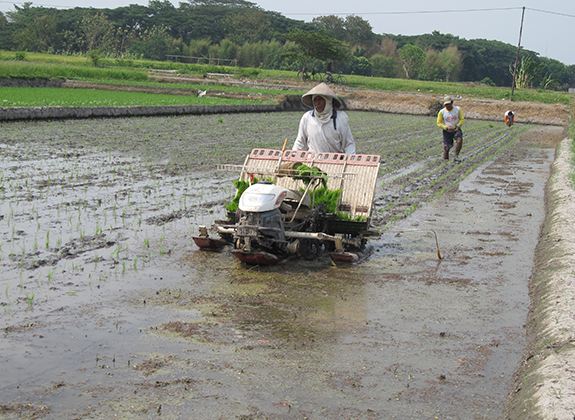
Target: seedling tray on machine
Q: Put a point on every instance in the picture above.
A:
(355, 175)
(350, 227)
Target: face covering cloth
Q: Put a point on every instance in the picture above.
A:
(325, 115)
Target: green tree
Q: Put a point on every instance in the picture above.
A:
(358, 31)
(483, 58)
(434, 41)
(310, 45)
(98, 33)
(384, 66)
(5, 35)
(38, 35)
(480, 58)
(432, 68)
(133, 16)
(163, 14)
(549, 82)
(199, 48)
(154, 44)
(333, 25)
(451, 60)
(388, 47)
(94, 56)
(21, 25)
(353, 30)
(228, 50)
(358, 65)
(411, 57)
(22, 16)
(442, 66)
(248, 25)
(123, 39)
(570, 75)
(258, 54)
(202, 19)
(528, 71)
(560, 72)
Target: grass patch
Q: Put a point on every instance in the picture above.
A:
(468, 90)
(48, 70)
(37, 65)
(196, 86)
(28, 97)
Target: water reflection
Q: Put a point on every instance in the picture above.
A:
(296, 302)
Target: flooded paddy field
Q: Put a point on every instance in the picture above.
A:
(109, 310)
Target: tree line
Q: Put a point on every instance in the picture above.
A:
(242, 31)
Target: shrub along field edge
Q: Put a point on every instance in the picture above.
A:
(37, 65)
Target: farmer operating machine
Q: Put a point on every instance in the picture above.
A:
(298, 203)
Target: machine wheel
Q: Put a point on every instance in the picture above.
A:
(309, 249)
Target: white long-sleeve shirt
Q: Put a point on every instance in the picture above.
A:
(451, 119)
(317, 137)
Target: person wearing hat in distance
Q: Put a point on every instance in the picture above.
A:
(450, 119)
(324, 129)
(509, 118)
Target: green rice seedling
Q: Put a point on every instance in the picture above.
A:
(50, 275)
(116, 253)
(30, 300)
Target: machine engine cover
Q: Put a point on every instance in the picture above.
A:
(264, 196)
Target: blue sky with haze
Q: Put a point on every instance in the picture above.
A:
(548, 27)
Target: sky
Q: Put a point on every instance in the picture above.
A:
(548, 26)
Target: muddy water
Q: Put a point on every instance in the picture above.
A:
(181, 333)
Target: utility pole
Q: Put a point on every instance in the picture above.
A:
(517, 56)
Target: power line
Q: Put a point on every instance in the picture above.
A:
(420, 12)
(413, 12)
(552, 13)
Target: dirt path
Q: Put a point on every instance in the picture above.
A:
(109, 310)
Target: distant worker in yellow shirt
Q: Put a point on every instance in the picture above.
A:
(450, 119)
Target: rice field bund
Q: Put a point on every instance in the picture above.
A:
(108, 308)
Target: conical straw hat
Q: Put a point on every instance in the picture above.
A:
(323, 90)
